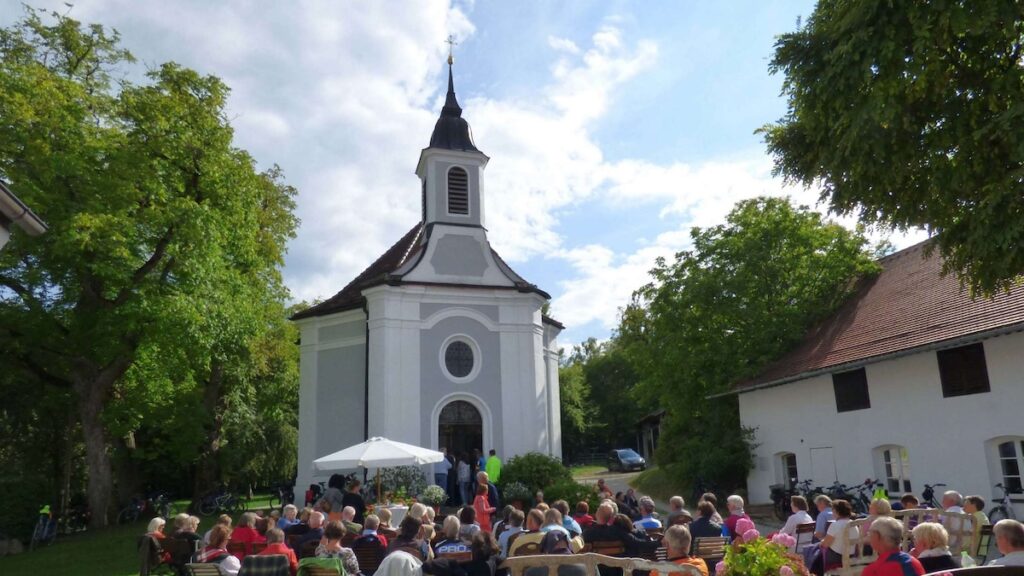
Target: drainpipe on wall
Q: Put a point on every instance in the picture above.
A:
(366, 377)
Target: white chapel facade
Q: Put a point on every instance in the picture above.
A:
(438, 343)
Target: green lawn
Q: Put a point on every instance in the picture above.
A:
(657, 483)
(578, 471)
(109, 552)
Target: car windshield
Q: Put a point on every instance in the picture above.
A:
(627, 453)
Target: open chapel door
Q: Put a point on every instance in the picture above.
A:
(460, 428)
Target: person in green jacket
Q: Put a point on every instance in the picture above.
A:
(493, 467)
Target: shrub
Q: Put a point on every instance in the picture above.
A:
(405, 479)
(534, 470)
(433, 495)
(572, 492)
(514, 491)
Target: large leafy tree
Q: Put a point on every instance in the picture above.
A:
(911, 114)
(744, 294)
(161, 262)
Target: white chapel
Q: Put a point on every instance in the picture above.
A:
(438, 343)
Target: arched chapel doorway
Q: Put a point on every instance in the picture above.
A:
(460, 428)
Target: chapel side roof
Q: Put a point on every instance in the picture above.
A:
(908, 306)
(12, 209)
(351, 296)
(402, 253)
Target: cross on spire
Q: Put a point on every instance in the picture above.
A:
(450, 41)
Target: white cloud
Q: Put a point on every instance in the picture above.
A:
(343, 95)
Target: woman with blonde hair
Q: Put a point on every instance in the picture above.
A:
(385, 518)
(931, 547)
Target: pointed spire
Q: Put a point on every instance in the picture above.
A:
(451, 131)
(451, 104)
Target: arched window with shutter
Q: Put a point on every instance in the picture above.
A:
(458, 191)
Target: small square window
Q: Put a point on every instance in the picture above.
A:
(963, 371)
(851, 390)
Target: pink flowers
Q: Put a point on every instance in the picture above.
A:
(785, 571)
(743, 526)
(720, 568)
(751, 535)
(784, 540)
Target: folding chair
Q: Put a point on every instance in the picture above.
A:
(456, 556)
(711, 549)
(804, 536)
(369, 554)
(204, 570)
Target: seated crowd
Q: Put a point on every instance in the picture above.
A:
(621, 525)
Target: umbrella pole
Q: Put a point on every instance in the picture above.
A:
(378, 485)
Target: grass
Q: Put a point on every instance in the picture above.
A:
(657, 483)
(584, 470)
(108, 552)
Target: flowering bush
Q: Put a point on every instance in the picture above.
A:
(433, 495)
(752, 555)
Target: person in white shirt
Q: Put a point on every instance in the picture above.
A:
(1010, 541)
(441, 470)
(833, 544)
(798, 504)
(953, 501)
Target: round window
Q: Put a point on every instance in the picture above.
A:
(458, 359)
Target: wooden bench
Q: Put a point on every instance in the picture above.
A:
(204, 570)
(589, 561)
(711, 549)
(613, 548)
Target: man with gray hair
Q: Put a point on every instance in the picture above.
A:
(736, 513)
(677, 545)
(952, 501)
(885, 536)
(647, 520)
(677, 513)
(1010, 541)
(348, 515)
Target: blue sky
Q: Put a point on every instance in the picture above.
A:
(612, 128)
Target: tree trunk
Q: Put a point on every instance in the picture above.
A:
(97, 458)
(207, 472)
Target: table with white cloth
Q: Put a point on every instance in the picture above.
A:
(398, 512)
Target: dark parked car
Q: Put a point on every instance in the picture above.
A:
(625, 459)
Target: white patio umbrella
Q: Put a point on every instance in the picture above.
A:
(378, 453)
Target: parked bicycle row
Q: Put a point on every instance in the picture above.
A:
(861, 495)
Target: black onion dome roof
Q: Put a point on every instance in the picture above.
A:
(451, 131)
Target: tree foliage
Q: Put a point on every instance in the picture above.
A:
(745, 294)
(599, 407)
(911, 114)
(155, 298)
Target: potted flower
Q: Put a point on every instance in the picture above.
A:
(434, 496)
(516, 493)
(752, 555)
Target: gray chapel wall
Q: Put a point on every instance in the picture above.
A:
(434, 385)
(340, 397)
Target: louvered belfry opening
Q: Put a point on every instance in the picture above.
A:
(458, 191)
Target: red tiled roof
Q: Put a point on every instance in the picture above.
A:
(909, 305)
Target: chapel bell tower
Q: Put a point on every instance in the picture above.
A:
(451, 169)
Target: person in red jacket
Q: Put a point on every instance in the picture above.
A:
(885, 535)
(276, 545)
(246, 532)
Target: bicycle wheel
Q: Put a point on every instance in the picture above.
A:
(128, 515)
(998, 513)
(207, 507)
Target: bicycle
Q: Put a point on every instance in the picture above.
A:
(283, 494)
(861, 500)
(805, 489)
(928, 496)
(162, 505)
(780, 500)
(1005, 508)
(132, 511)
(220, 501)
